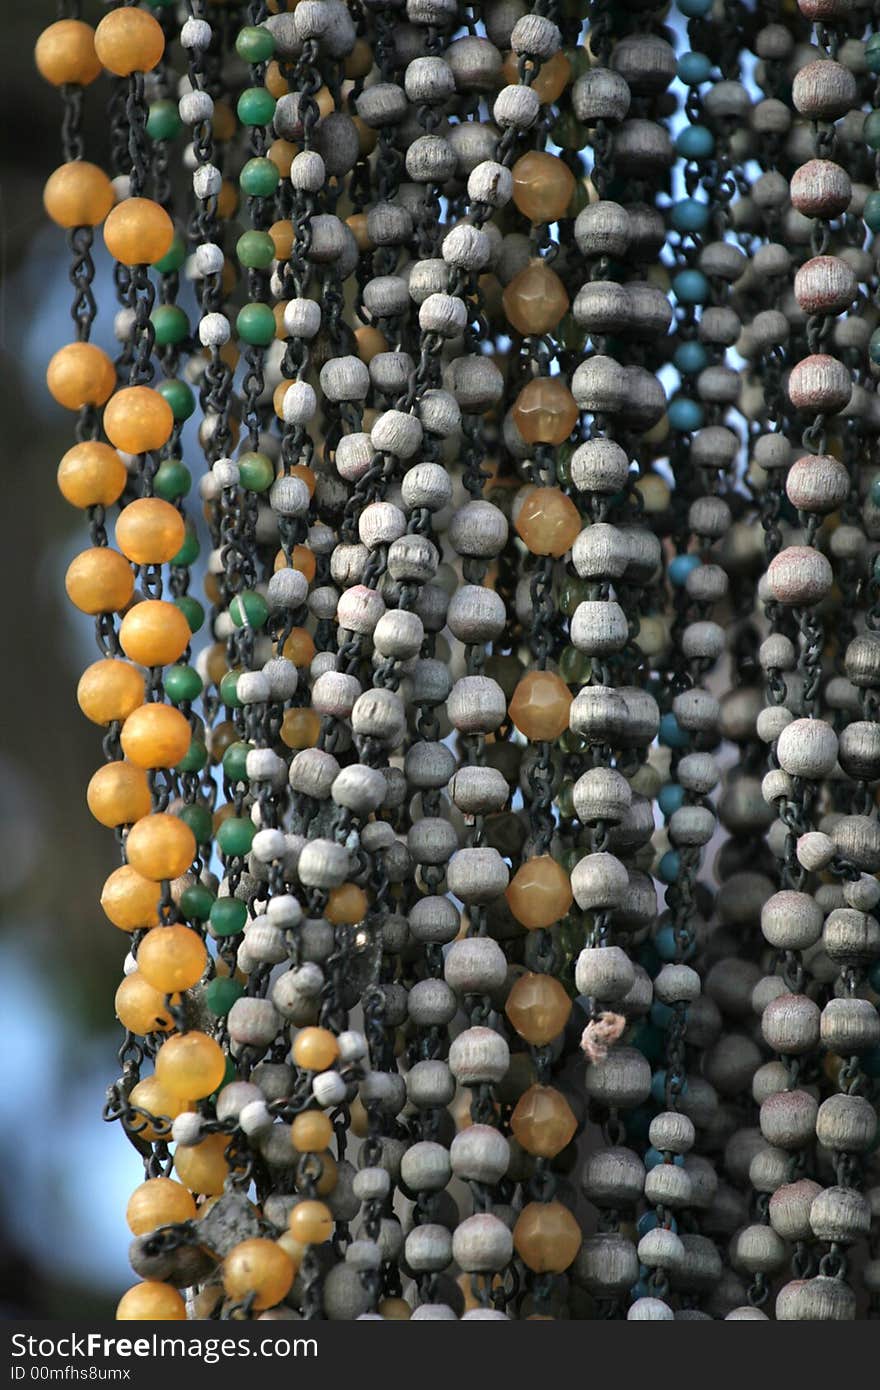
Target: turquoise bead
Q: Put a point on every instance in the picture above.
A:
(174, 257)
(681, 567)
(695, 142)
(871, 213)
(670, 798)
(871, 130)
(228, 690)
(235, 761)
(221, 994)
(872, 53)
(227, 917)
(669, 867)
(195, 758)
(689, 215)
(255, 44)
(685, 415)
(690, 358)
(182, 683)
(693, 69)
(195, 902)
(189, 551)
(235, 835)
(163, 122)
(690, 287)
(694, 9)
(874, 494)
(874, 347)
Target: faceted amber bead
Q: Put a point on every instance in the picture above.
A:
(137, 419)
(91, 474)
(140, 1008)
(80, 374)
(539, 893)
(347, 903)
(155, 736)
(154, 633)
(311, 1223)
(315, 1049)
(535, 299)
(542, 1121)
(150, 531)
(119, 794)
(258, 1267)
(129, 900)
(158, 1202)
(540, 706)
(129, 40)
(190, 1064)
(150, 1301)
(546, 1237)
(160, 847)
(547, 521)
(545, 411)
(311, 1132)
(78, 194)
(552, 77)
(172, 958)
(203, 1167)
(159, 1102)
(300, 728)
(538, 1007)
(65, 52)
(99, 580)
(300, 646)
(542, 186)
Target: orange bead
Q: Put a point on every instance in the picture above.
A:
(329, 1175)
(282, 239)
(203, 1167)
(223, 123)
(315, 1049)
(65, 53)
(138, 232)
(190, 1064)
(154, 633)
(150, 531)
(275, 81)
(358, 226)
(540, 706)
(156, 736)
(311, 1223)
(546, 1237)
(140, 1008)
(91, 474)
(547, 521)
(300, 728)
(160, 847)
(538, 1007)
(539, 893)
(172, 958)
(293, 1249)
(227, 200)
(80, 374)
(302, 559)
(545, 411)
(347, 903)
(137, 419)
(109, 690)
(535, 299)
(158, 1202)
(300, 470)
(129, 900)
(542, 186)
(118, 794)
(542, 1121)
(367, 136)
(299, 647)
(370, 342)
(396, 1309)
(359, 62)
(311, 1132)
(549, 83)
(99, 580)
(222, 735)
(129, 40)
(258, 1267)
(150, 1301)
(78, 194)
(160, 1104)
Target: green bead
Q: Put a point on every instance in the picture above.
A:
(255, 44)
(579, 60)
(569, 134)
(163, 122)
(258, 179)
(572, 592)
(235, 836)
(256, 472)
(574, 666)
(563, 464)
(874, 347)
(235, 762)
(228, 917)
(871, 213)
(874, 491)
(189, 551)
(256, 324)
(173, 479)
(570, 742)
(565, 800)
(221, 994)
(249, 609)
(195, 758)
(871, 130)
(229, 690)
(230, 1074)
(872, 53)
(174, 257)
(179, 397)
(196, 902)
(192, 610)
(200, 822)
(170, 324)
(256, 106)
(182, 683)
(256, 250)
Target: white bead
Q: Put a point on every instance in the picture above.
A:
(195, 107)
(196, 33)
(209, 258)
(299, 403)
(329, 1089)
(207, 181)
(302, 318)
(214, 330)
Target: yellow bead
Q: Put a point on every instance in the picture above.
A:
(154, 633)
(542, 1121)
(539, 894)
(151, 1301)
(311, 1223)
(315, 1049)
(99, 580)
(150, 531)
(159, 1103)
(119, 794)
(346, 904)
(78, 194)
(129, 900)
(160, 847)
(80, 374)
(546, 1237)
(293, 1249)
(542, 186)
(538, 1007)
(311, 1132)
(535, 299)
(65, 53)
(203, 1167)
(328, 1176)
(156, 736)
(158, 1202)
(137, 419)
(258, 1267)
(140, 1008)
(109, 690)
(129, 40)
(190, 1064)
(545, 411)
(172, 958)
(91, 474)
(540, 706)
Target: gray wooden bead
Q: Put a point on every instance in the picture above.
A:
(475, 63)
(660, 1248)
(790, 1024)
(672, 1132)
(677, 984)
(428, 1248)
(359, 788)
(841, 1215)
(398, 634)
(490, 183)
(344, 1294)
(758, 1250)
(433, 1312)
(430, 159)
(382, 104)
(768, 988)
(601, 552)
(334, 693)
(825, 285)
(386, 296)
(819, 384)
(479, 1153)
(516, 108)
(846, 1123)
(857, 839)
(599, 627)
(789, 1209)
(475, 382)
(692, 825)
(799, 575)
(426, 1166)
(641, 148)
(478, 790)
(384, 1089)
(312, 772)
(354, 454)
(622, 1079)
(476, 704)
(477, 875)
(434, 920)
(599, 881)
(476, 965)
(476, 614)
(859, 750)
(431, 840)
(849, 1026)
(821, 1299)
(668, 1185)
(604, 972)
(234, 1097)
(429, 765)
(428, 81)
(429, 1084)
(479, 1056)
(482, 1244)
(379, 713)
(851, 937)
(613, 1177)
(426, 485)
(606, 1264)
(390, 372)
(478, 530)
(650, 1310)
(602, 794)
(788, 1119)
(817, 483)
